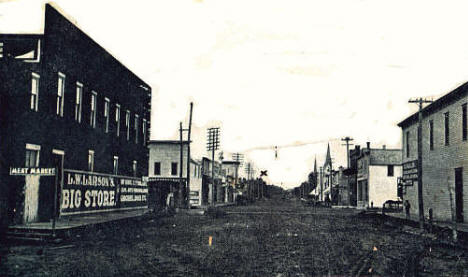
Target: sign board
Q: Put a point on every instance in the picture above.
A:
(410, 172)
(42, 171)
(84, 192)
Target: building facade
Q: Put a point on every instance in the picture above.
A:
(66, 103)
(167, 171)
(444, 157)
(378, 171)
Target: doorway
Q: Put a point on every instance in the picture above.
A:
(459, 194)
(58, 158)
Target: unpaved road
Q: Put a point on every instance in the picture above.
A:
(268, 238)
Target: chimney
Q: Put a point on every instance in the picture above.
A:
(368, 145)
(384, 147)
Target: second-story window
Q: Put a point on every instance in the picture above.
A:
(143, 129)
(106, 114)
(134, 168)
(157, 168)
(117, 119)
(136, 128)
(78, 101)
(35, 92)
(390, 169)
(60, 93)
(127, 124)
(431, 135)
(116, 165)
(447, 128)
(464, 123)
(90, 160)
(173, 169)
(407, 144)
(92, 117)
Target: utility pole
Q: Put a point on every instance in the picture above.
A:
(420, 101)
(237, 157)
(181, 185)
(347, 140)
(213, 145)
(188, 155)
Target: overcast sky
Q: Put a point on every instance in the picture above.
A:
(277, 72)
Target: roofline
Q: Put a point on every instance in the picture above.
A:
(19, 35)
(73, 22)
(437, 105)
(167, 142)
(230, 162)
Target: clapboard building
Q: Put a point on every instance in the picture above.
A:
(66, 102)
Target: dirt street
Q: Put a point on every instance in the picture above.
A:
(268, 238)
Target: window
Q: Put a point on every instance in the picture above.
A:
(60, 93)
(173, 169)
(35, 92)
(116, 165)
(144, 131)
(32, 155)
(431, 134)
(134, 168)
(157, 168)
(390, 170)
(136, 128)
(447, 126)
(407, 144)
(127, 123)
(92, 117)
(117, 118)
(78, 101)
(464, 119)
(106, 114)
(91, 160)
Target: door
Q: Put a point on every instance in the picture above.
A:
(459, 194)
(31, 198)
(32, 183)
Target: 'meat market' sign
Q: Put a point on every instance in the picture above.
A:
(32, 171)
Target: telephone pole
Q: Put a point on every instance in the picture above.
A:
(420, 101)
(188, 155)
(181, 185)
(347, 140)
(237, 157)
(213, 145)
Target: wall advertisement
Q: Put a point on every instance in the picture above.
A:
(85, 192)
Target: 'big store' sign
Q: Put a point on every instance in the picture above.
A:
(84, 192)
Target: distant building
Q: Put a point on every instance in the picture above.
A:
(67, 103)
(216, 185)
(378, 171)
(231, 170)
(164, 172)
(327, 176)
(445, 157)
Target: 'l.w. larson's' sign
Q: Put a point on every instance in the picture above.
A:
(88, 191)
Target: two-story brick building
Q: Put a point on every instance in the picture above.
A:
(444, 156)
(65, 102)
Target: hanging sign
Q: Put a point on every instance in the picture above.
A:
(42, 171)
